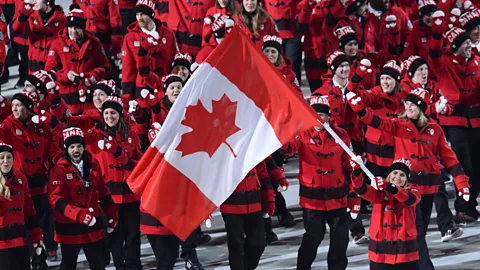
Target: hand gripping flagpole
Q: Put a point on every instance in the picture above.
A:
(349, 151)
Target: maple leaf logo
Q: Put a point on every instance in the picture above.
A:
(210, 130)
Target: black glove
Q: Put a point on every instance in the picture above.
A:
(392, 189)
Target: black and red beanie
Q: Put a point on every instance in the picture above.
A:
(320, 104)
(73, 135)
(419, 97)
(41, 80)
(392, 69)
(412, 63)
(401, 164)
(167, 80)
(470, 19)
(107, 86)
(26, 99)
(6, 148)
(425, 7)
(182, 60)
(455, 37)
(146, 7)
(113, 102)
(272, 41)
(344, 35)
(76, 17)
(335, 59)
(352, 8)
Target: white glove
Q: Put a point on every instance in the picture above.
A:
(132, 106)
(441, 104)
(391, 21)
(208, 222)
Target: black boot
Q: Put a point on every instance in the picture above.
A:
(270, 236)
(5, 76)
(203, 239)
(286, 219)
(191, 261)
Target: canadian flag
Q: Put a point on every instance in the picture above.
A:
(235, 110)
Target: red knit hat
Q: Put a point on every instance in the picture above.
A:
(107, 86)
(73, 135)
(167, 80)
(455, 38)
(419, 97)
(113, 102)
(272, 41)
(320, 104)
(27, 99)
(344, 35)
(425, 7)
(412, 63)
(76, 17)
(41, 80)
(470, 19)
(335, 59)
(146, 7)
(182, 60)
(392, 69)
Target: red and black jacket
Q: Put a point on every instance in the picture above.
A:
(17, 215)
(324, 169)
(67, 187)
(393, 234)
(283, 12)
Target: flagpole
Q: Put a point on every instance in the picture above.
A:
(349, 151)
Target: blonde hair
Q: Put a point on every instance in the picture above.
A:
(421, 121)
(389, 181)
(255, 19)
(4, 190)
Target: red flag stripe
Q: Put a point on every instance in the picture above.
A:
(177, 211)
(265, 97)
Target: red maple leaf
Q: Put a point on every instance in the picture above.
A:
(210, 130)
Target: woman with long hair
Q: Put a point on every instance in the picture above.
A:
(393, 216)
(254, 20)
(18, 216)
(117, 148)
(222, 7)
(422, 140)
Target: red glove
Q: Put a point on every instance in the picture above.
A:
(111, 211)
(354, 207)
(27, 9)
(90, 79)
(463, 187)
(82, 94)
(355, 163)
(268, 196)
(283, 185)
(108, 145)
(355, 102)
(380, 183)
(85, 217)
(363, 69)
(148, 100)
(53, 91)
(37, 238)
(454, 15)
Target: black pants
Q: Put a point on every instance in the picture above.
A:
(444, 214)
(128, 16)
(165, 248)
(399, 266)
(292, 49)
(466, 145)
(188, 247)
(423, 211)
(124, 241)
(245, 239)
(15, 258)
(94, 252)
(15, 48)
(45, 219)
(355, 225)
(315, 227)
(280, 203)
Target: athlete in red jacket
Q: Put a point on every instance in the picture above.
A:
(393, 216)
(324, 169)
(79, 61)
(149, 47)
(78, 193)
(43, 23)
(458, 77)
(221, 7)
(18, 216)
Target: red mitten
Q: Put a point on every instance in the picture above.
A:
(362, 70)
(283, 185)
(439, 25)
(392, 26)
(355, 102)
(27, 9)
(90, 79)
(354, 207)
(355, 163)
(37, 238)
(454, 15)
(85, 217)
(147, 99)
(82, 94)
(268, 196)
(380, 183)
(53, 91)
(111, 211)
(108, 145)
(461, 181)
